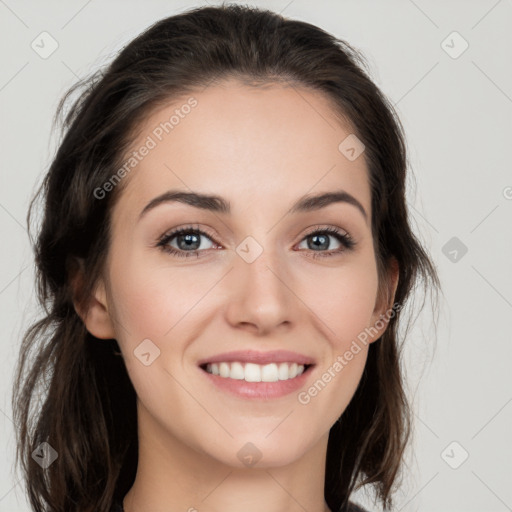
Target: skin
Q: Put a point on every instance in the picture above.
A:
(261, 149)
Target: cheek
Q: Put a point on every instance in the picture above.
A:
(150, 301)
(153, 304)
(343, 299)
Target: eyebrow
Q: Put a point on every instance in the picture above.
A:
(220, 205)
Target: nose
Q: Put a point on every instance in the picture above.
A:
(261, 297)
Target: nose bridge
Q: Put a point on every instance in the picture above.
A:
(260, 294)
(259, 268)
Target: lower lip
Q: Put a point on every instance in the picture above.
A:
(259, 390)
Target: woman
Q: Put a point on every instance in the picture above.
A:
(224, 256)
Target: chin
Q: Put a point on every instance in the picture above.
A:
(260, 451)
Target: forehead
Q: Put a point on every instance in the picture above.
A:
(271, 143)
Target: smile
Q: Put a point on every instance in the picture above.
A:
(252, 372)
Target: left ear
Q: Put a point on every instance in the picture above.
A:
(385, 300)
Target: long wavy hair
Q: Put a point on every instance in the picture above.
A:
(72, 390)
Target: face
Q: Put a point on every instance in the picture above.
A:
(262, 276)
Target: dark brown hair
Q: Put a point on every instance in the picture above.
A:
(71, 390)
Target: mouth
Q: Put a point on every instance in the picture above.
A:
(254, 375)
(253, 372)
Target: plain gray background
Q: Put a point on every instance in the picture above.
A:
(456, 108)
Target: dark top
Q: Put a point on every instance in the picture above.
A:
(118, 507)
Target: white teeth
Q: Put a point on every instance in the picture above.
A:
(251, 372)
(237, 371)
(284, 372)
(223, 370)
(269, 373)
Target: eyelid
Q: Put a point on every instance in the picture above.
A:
(322, 227)
(189, 227)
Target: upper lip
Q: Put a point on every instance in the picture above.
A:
(253, 356)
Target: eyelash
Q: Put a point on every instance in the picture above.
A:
(344, 238)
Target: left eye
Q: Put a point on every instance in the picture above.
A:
(320, 240)
(188, 242)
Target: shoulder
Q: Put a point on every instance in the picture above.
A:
(354, 507)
